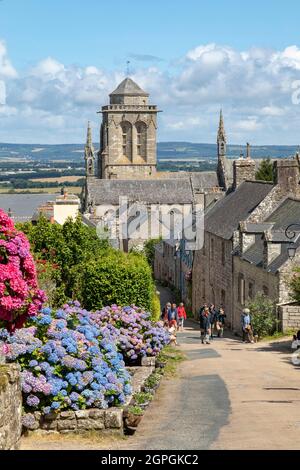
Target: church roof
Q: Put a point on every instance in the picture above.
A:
(166, 191)
(129, 87)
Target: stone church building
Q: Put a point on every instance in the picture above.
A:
(126, 164)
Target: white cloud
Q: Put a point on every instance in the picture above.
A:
(51, 102)
(6, 68)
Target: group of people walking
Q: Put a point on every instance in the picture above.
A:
(212, 319)
(174, 316)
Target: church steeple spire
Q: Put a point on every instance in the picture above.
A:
(221, 131)
(221, 148)
(89, 154)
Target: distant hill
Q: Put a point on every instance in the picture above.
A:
(188, 149)
(166, 150)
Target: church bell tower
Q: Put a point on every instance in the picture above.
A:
(128, 134)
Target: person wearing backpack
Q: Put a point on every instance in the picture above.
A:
(173, 316)
(205, 325)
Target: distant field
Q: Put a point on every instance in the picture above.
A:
(59, 179)
(70, 189)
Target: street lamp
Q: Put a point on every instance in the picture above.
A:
(290, 233)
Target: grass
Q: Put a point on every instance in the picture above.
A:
(59, 179)
(70, 189)
(173, 357)
(278, 335)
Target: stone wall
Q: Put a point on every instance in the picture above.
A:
(212, 274)
(289, 316)
(256, 280)
(10, 406)
(106, 421)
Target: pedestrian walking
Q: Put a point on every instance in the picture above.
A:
(213, 318)
(220, 323)
(246, 326)
(164, 314)
(173, 316)
(205, 325)
(181, 315)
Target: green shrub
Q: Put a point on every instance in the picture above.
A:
(262, 311)
(142, 397)
(155, 307)
(149, 249)
(295, 285)
(116, 278)
(135, 410)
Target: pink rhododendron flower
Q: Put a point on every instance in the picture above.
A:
(19, 293)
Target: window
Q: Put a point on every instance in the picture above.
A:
(203, 290)
(126, 139)
(223, 298)
(241, 289)
(266, 291)
(223, 253)
(212, 248)
(251, 290)
(141, 139)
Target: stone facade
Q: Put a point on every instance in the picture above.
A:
(289, 317)
(10, 406)
(173, 266)
(249, 280)
(128, 134)
(238, 262)
(213, 274)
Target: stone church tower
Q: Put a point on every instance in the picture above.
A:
(221, 146)
(128, 134)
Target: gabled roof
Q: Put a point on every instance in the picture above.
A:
(287, 213)
(224, 217)
(129, 88)
(166, 191)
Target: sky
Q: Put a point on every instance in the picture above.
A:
(59, 60)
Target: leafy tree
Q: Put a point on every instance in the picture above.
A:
(262, 310)
(149, 249)
(116, 278)
(65, 248)
(265, 171)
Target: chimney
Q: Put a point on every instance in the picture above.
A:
(271, 249)
(243, 169)
(286, 174)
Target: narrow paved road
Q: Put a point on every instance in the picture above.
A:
(227, 395)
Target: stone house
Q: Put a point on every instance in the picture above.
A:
(219, 273)
(173, 266)
(261, 263)
(213, 264)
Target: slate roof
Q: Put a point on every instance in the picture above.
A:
(224, 217)
(129, 88)
(287, 213)
(204, 180)
(23, 206)
(165, 191)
